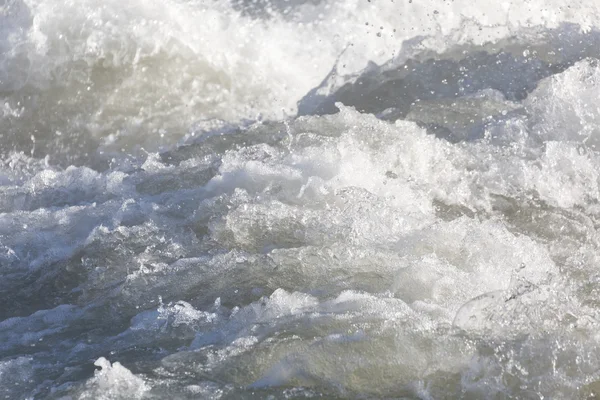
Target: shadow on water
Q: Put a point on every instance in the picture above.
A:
(267, 8)
(488, 80)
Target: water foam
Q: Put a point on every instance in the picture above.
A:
(442, 248)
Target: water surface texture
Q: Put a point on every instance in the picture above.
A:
(297, 199)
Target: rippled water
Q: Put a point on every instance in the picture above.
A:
(299, 199)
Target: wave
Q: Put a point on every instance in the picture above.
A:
(296, 199)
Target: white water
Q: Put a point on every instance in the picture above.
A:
(425, 229)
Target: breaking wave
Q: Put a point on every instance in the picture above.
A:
(299, 198)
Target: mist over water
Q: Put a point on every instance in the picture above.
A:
(299, 199)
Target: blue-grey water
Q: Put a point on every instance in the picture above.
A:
(299, 199)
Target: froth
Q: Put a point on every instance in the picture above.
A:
(443, 250)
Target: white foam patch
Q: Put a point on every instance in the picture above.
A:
(113, 381)
(565, 106)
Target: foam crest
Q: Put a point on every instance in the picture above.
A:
(113, 381)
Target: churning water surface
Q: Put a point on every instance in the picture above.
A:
(299, 199)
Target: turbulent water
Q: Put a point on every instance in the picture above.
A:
(299, 199)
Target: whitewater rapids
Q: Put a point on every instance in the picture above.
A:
(299, 199)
